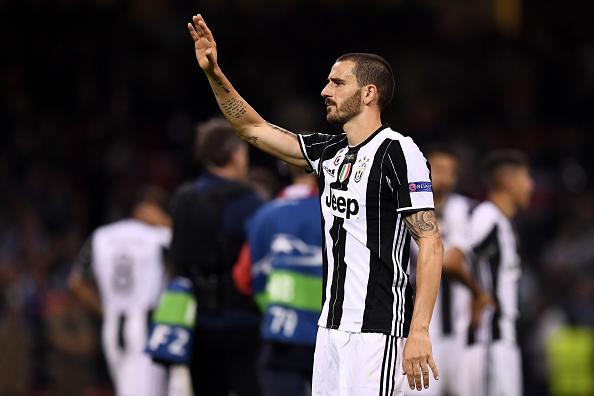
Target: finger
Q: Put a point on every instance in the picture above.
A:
(408, 370)
(417, 375)
(433, 367)
(425, 373)
(205, 29)
(195, 19)
(193, 32)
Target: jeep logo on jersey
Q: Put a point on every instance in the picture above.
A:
(343, 204)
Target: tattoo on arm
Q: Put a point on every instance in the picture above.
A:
(422, 224)
(233, 108)
(221, 85)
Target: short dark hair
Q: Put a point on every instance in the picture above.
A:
(373, 69)
(497, 161)
(215, 142)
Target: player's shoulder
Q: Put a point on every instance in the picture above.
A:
(130, 226)
(321, 138)
(486, 212)
(278, 208)
(401, 144)
(460, 203)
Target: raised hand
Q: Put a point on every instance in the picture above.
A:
(204, 43)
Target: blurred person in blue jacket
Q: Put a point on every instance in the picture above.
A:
(285, 242)
(209, 216)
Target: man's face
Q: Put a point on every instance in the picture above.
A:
(444, 173)
(520, 185)
(342, 94)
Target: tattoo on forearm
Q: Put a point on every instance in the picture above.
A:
(233, 108)
(220, 84)
(422, 224)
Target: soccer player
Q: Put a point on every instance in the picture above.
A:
(452, 314)
(491, 363)
(124, 262)
(375, 193)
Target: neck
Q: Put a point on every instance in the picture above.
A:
(226, 172)
(504, 202)
(362, 126)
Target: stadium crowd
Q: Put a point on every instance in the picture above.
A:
(101, 97)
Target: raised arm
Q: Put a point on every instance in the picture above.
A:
(418, 357)
(249, 125)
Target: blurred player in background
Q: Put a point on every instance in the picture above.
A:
(375, 195)
(452, 314)
(491, 364)
(119, 274)
(209, 217)
(286, 248)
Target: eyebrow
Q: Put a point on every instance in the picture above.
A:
(336, 80)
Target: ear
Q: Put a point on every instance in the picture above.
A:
(369, 94)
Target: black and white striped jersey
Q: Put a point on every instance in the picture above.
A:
(496, 265)
(364, 191)
(451, 314)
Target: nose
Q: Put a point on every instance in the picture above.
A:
(326, 92)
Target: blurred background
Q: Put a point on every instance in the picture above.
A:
(100, 97)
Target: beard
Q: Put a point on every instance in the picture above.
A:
(349, 109)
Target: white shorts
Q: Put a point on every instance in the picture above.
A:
(132, 371)
(491, 370)
(446, 354)
(357, 364)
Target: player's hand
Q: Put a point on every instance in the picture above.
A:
(480, 302)
(417, 359)
(204, 43)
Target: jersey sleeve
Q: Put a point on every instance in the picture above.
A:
(412, 177)
(483, 231)
(312, 147)
(458, 225)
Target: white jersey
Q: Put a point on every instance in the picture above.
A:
(451, 314)
(128, 265)
(125, 260)
(496, 265)
(364, 191)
